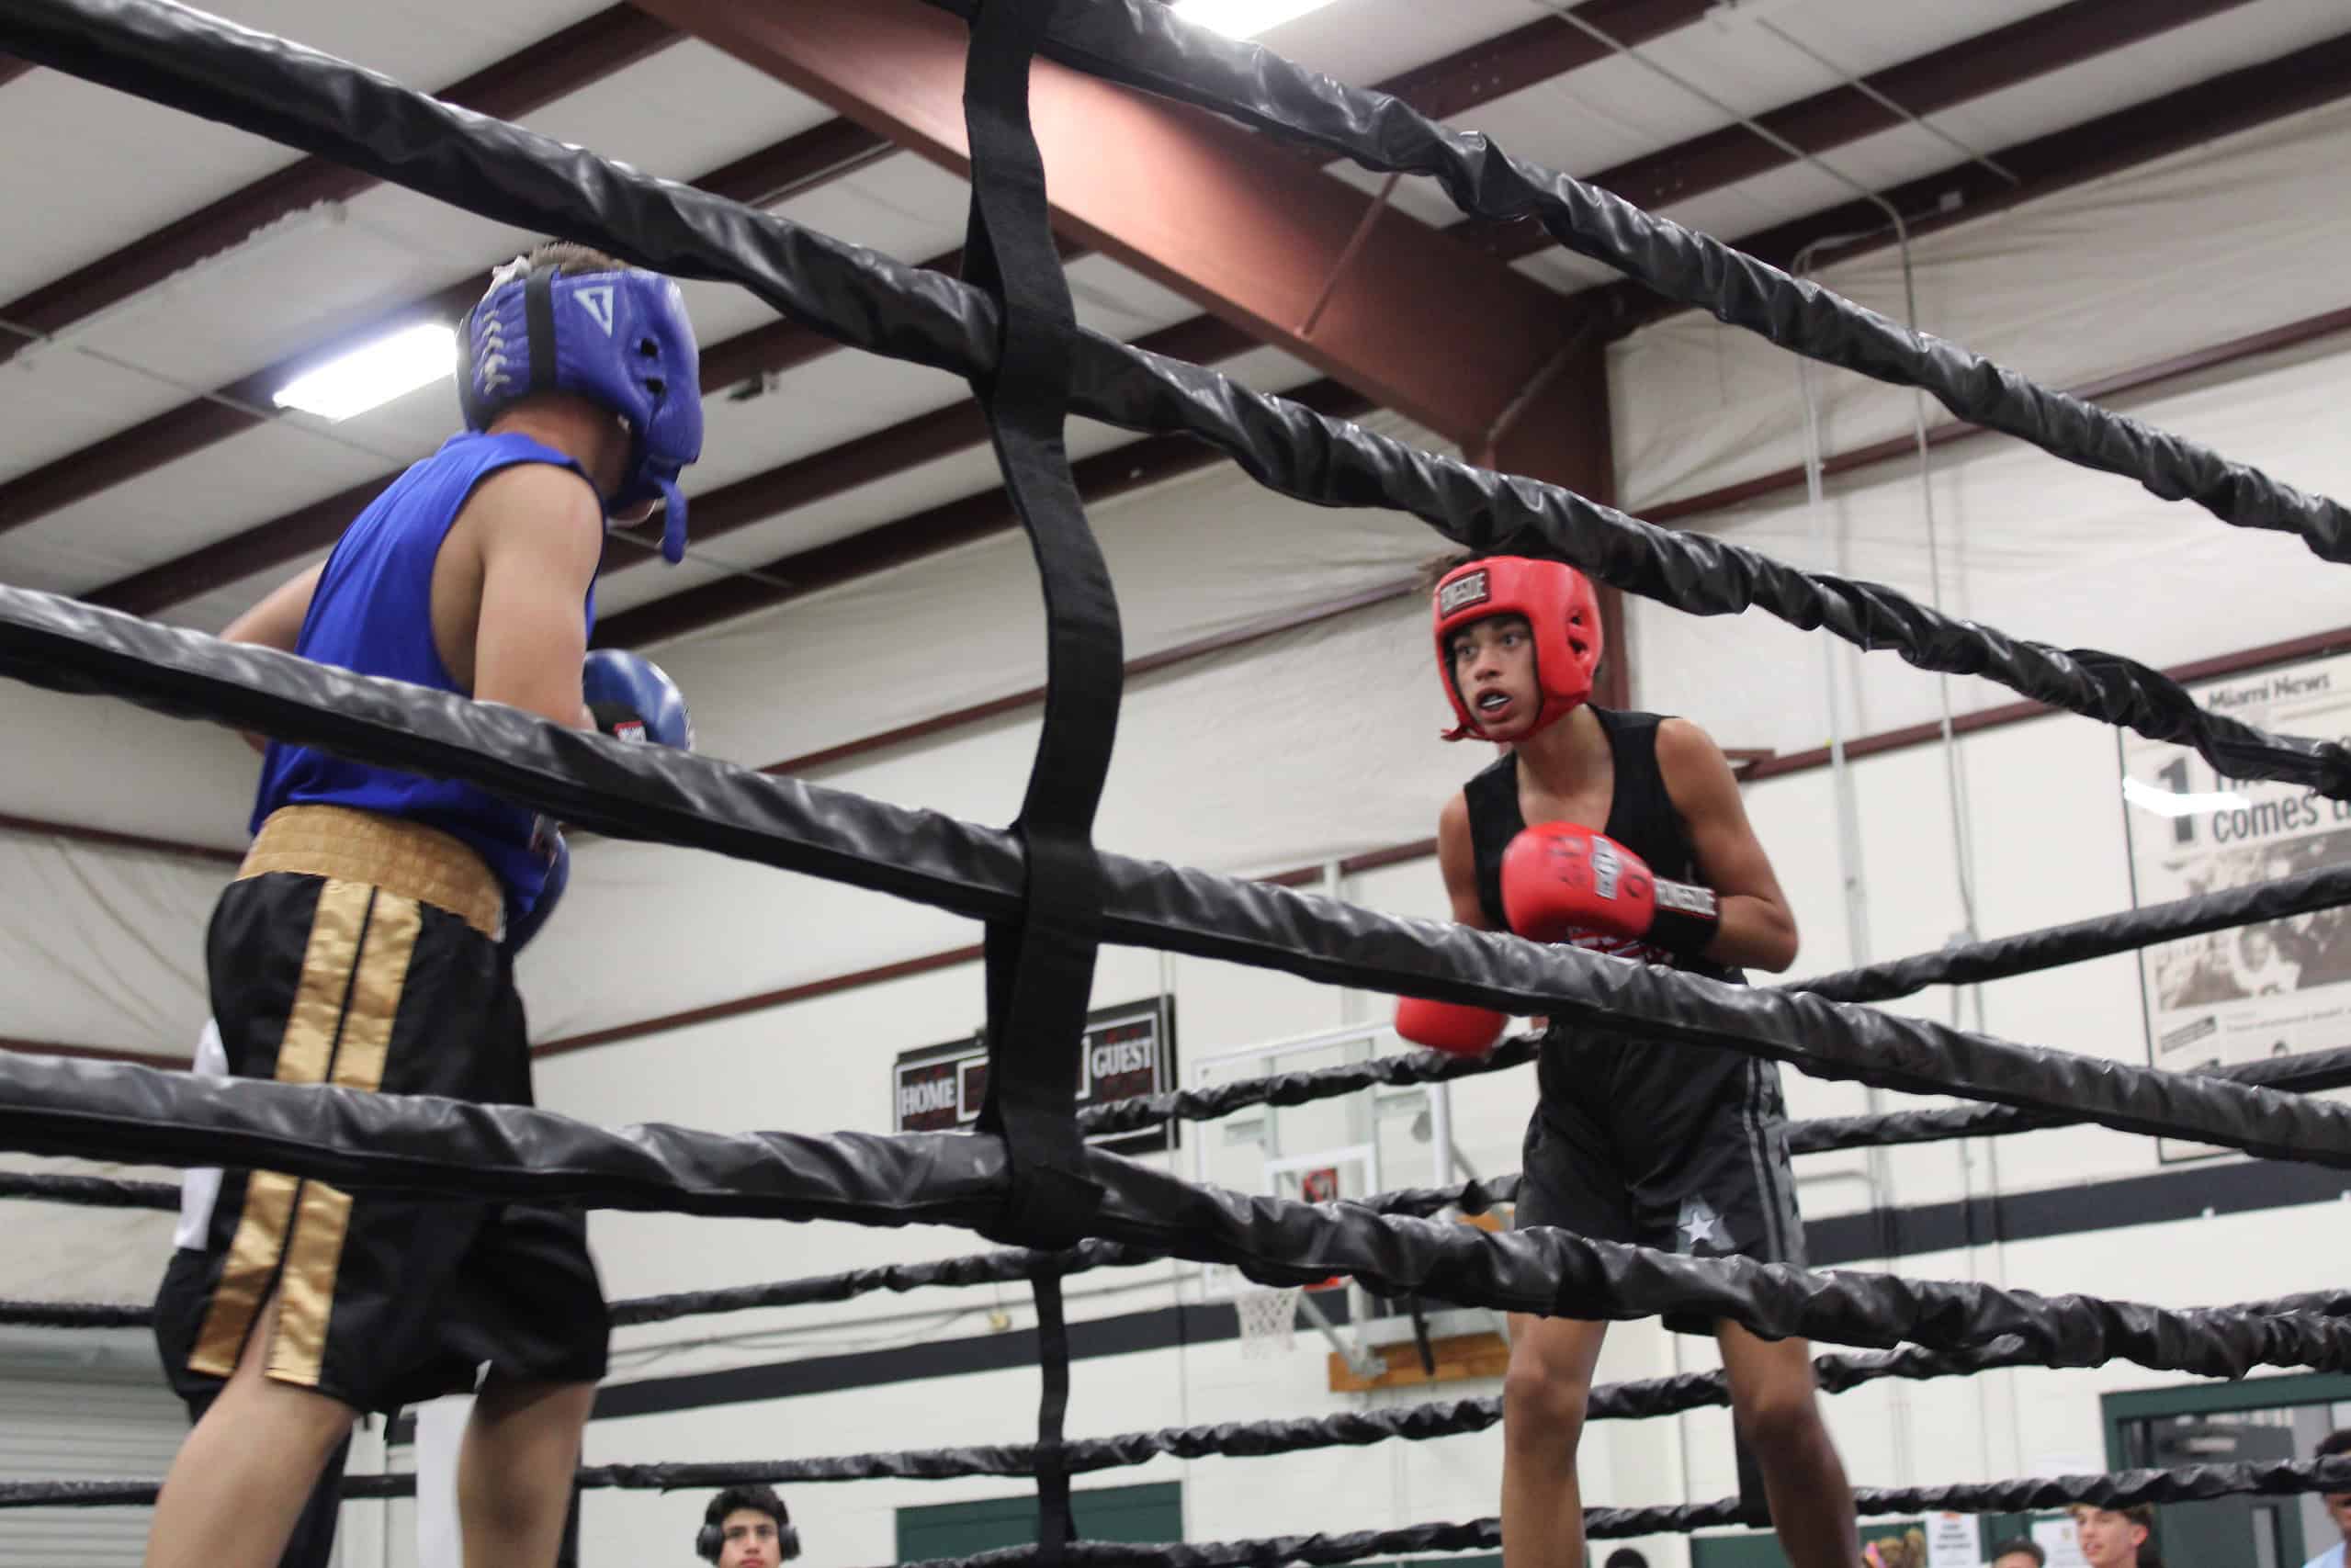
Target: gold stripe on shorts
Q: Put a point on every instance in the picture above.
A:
(303, 1055)
(306, 1289)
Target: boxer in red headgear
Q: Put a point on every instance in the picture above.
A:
(1638, 848)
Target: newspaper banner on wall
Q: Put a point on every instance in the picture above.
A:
(2278, 987)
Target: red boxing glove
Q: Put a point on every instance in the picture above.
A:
(1560, 881)
(1448, 1026)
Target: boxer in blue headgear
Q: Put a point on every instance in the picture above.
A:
(369, 939)
(619, 338)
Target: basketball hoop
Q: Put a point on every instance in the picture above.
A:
(1269, 1318)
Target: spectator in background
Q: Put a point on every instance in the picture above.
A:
(2019, 1551)
(747, 1527)
(2339, 1504)
(2116, 1537)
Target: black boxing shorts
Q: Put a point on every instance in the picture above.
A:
(361, 951)
(1683, 1148)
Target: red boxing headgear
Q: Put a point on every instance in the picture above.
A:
(1561, 611)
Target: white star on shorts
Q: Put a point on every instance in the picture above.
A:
(1700, 1225)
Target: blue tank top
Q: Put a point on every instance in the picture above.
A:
(372, 613)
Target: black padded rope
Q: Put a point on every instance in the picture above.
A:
(654, 793)
(422, 1144)
(2305, 1074)
(975, 1268)
(1902, 976)
(2100, 936)
(2198, 1483)
(75, 1314)
(1145, 44)
(90, 1191)
(326, 107)
(1040, 965)
(1257, 1441)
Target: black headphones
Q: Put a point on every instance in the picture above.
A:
(760, 1500)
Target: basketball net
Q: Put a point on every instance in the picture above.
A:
(1269, 1318)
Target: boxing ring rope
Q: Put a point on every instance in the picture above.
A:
(1049, 897)
(422, 1144)
(654, 795)
(1971, 964)
(2121, 1489)
(311, 101)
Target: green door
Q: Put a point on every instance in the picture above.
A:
(2256, 1419)
(1153, 1512)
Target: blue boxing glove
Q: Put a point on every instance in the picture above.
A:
(631, 699)
(524, 926)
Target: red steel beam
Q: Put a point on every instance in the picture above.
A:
(798, 164)
(1449, 85)
(585, 52)
(1972, 68)
(1190, 199)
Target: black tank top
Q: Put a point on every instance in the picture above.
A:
(1640, 816)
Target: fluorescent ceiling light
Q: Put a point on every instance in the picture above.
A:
(374, 375)
(1244, 18)
(2171, 803)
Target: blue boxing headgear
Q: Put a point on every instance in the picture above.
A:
(619, 339)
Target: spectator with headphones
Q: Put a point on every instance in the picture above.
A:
(747, 1527)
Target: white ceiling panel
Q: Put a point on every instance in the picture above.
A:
(721, 310)
(657, 579)
(679, 114)
(217, 609)
(426, 43)
(290, 287)
(183, 506)
(1564, 270)
(2246, 35)
(968, 472)
(1267, 370)
(902, 494)
(1120, 302)
(331, 267)
(54, 400)
(90, 169)
(903, 205)
(963, 473)
(1364, 42)
(1863, 36)
(1763, 201)
(811, 409)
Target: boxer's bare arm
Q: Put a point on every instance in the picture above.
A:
(275, 622)
(540, 533)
